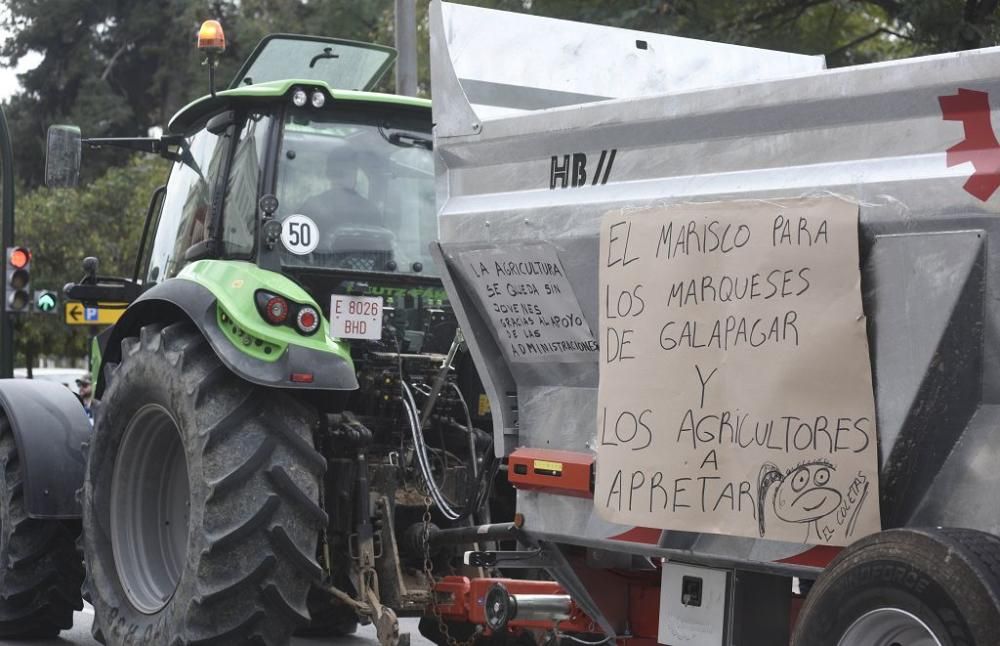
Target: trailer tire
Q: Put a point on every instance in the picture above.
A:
(202, 527)
(40, 569)
(904, 585)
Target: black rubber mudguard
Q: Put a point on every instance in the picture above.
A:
(176, 296)
(51, 431)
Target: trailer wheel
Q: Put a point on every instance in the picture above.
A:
(40, 569)
(199, 507)
(907, 587)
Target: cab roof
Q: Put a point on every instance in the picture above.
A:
(194, 114)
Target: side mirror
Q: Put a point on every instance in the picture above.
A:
(62, 157)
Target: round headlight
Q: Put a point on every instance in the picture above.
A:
(299, 97)
(318, 99)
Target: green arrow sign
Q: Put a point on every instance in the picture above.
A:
(45, 301)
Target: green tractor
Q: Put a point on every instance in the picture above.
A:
(285, 416)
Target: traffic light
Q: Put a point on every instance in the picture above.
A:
(46, 301)
(18, 289)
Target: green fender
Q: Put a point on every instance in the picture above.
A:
(217, 296)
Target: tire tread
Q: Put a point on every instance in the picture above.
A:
(249, 586)
(42, 571)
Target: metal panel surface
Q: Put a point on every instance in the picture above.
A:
(880, 135)
(569, 63)
(692, 617)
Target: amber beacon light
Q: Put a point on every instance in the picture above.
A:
(212, 41)
(211, 37)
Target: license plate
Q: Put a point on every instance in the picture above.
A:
(356, 317)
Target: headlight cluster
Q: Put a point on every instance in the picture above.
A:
(315, 97)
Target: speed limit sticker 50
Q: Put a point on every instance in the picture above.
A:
(299, 234)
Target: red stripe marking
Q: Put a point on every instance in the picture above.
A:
(816, 556)
(646, 535)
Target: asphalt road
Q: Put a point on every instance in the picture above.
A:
(80, 635)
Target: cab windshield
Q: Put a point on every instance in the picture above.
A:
(339, 63)
(365, 186)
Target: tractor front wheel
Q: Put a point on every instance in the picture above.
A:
(199, 506)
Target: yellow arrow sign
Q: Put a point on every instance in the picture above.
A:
(104, 314)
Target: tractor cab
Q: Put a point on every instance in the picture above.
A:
(298, 177)
(315, 173)
(300, 169)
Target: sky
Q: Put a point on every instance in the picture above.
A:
(8, 76)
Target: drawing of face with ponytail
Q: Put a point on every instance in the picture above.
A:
(803, 494)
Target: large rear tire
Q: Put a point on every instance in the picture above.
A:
(200, 501)
(40, 569)
(907, 587)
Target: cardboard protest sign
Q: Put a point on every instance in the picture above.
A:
(735, 385)
(530, 303)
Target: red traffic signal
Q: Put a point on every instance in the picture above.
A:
(17, 289)
(18, 257)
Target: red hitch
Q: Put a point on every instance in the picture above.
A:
(542, 605)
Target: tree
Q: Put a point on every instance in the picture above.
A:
(120, 68)
(98, 58)
(62, 226)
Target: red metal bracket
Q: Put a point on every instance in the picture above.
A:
(564, 473)
(461, 599)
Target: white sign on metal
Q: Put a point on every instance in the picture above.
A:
(356, 317)
(531, 304)
(735, 384)
(299, 234)
(692, 605)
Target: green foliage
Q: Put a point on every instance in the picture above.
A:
(61, 227)
(120, 68)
